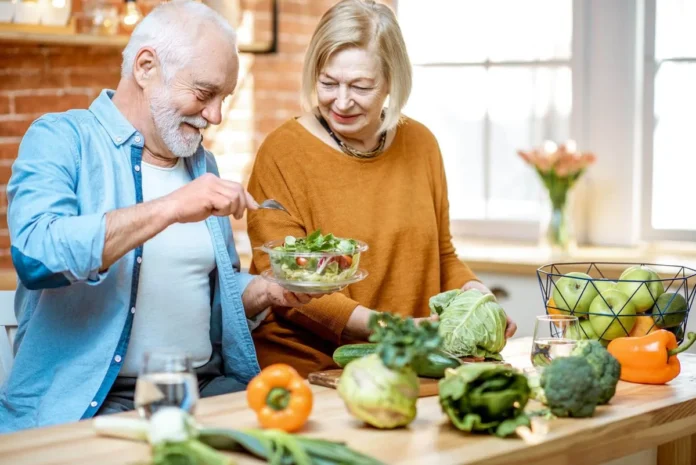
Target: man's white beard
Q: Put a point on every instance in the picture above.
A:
(168, 124)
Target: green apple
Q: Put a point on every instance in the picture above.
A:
(669, 310)
(583, 330)
(643, 294)
(612, 314)
(604, 285)
(574, 293)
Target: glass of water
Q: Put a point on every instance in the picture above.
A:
(554, 336)
(166, 379)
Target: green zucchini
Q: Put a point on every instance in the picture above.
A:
(432, 366)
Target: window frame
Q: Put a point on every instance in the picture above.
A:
(517, 229)
(650, 68)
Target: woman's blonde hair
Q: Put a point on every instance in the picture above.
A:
(363, 24)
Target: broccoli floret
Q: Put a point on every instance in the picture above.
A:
(606, 368)
(570, 387)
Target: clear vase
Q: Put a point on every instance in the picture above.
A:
(557, 233)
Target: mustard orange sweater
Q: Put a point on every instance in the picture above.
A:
(396, 203)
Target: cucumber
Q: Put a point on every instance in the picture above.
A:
(435, 364)
(432, 366)
(349, 352)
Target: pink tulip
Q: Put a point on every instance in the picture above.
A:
(544, 163)
(525, 156)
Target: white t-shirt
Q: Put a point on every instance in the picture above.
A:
(173, 305)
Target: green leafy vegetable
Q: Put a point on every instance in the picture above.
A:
(472, 324)
(382, 388)
(284, 449)
(192, 452)
(172, 433)
(316, 242)
(485, 398)
(177, 440)
(316, 258)
(400, 340)
(537, 392)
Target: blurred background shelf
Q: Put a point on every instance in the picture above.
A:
(16, 35)
(54, 36)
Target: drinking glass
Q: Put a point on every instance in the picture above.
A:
(166, 379)
(554, 336)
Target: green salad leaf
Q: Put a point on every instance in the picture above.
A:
(317, 242)
(297, 259)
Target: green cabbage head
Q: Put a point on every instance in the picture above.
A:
(472, 324)
(382, 397)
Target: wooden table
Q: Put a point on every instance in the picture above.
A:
(639, 417)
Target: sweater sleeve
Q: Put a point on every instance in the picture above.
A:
(328, 315)
(453, 272)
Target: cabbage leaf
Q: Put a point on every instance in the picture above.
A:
(472, 324)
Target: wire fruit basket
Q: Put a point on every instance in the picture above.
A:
(646, 297)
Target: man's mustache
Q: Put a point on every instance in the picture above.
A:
(195, 121)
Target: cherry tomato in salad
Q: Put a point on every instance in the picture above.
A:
(301, 261)
(345, 261)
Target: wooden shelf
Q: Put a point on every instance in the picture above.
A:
(56, 35)
(41, 35)
(43, 38)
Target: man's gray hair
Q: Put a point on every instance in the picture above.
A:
(172, 30)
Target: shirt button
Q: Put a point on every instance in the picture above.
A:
(132, 309)
(93, 403)
(139, 259)
(117, 359)
(118, 139)
(137, 167)
(137, 138)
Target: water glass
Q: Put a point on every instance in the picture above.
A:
(554, 336)
(166, 379)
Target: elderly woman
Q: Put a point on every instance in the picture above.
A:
(356, 168)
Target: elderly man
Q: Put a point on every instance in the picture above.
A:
(121, 235)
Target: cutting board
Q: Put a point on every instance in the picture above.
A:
(329, 378)
(428, 386)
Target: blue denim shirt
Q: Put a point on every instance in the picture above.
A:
(75, 321)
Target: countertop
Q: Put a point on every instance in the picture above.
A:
(638, 417)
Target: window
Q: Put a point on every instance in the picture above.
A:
(502, 82)
(670, 164)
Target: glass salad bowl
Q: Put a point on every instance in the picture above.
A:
(314, 264)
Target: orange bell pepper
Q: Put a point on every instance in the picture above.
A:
(280, 397)
(650, 359)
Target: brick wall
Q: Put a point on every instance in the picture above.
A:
(36, 79)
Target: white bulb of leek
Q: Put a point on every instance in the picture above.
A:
(124, 428)
(168, 424)
(171, 424)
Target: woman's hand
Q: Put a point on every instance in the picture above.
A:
(511, 327)
(261, 294)
(356, 327)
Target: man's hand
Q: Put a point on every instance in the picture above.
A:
(261, 294)
(511, 327)
(130, 227)
(208, 195)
